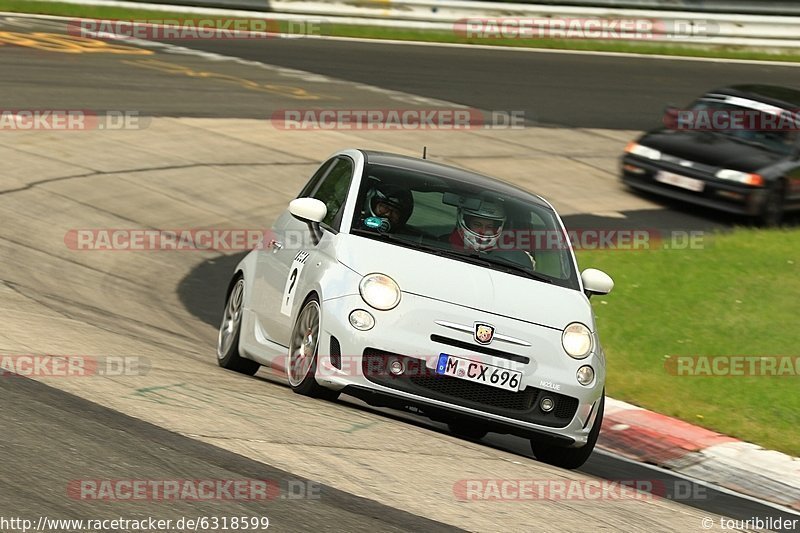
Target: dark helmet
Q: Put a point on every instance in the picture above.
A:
(394, 195)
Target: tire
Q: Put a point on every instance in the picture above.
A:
(303, 350)
(467, 430)
(570, 458)
(772, 213)
(228, 339)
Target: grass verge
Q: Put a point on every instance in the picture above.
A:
(739, 295)
(370, 32)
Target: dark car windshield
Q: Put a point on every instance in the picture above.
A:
(744, 122)
(509, 231)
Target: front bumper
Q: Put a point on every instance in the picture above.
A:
(355, 362)
(717, 194)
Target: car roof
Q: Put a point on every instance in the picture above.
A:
(446, 171)
(770, 94)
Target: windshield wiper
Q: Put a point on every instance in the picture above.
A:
(519, 268)
(715, 133)
(505, 266)
(756, 144)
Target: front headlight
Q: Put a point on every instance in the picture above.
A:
(642, 151)
(741, 177)
(379, 291)
(577, 340)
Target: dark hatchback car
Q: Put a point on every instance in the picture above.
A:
(735, 149)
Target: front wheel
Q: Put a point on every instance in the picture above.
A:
(228, 340)
(772, 212)
(303, 349)
(570, 458)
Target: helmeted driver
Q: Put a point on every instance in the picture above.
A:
(387, 207)
(478, 228)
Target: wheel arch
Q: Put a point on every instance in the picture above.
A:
(237, 274)
(311, 293)
(245, 269)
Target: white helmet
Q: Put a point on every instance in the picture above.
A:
(488, 210)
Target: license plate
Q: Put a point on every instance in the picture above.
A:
(680, 181)
(491, 375)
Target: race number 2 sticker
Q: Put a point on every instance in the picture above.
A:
(291, 282)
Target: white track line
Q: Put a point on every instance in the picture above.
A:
(697, 481)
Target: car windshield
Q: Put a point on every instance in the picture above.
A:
(772, 138)
(509, 231)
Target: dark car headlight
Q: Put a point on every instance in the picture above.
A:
(742, 177)
(643, 151)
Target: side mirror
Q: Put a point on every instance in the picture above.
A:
(596, 282)
(308, 210)
(312, 212)
(670, 119)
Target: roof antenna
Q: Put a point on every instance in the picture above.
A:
(424, 152)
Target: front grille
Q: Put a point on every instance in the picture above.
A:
(478, 393)
(480, 349)
(689, 168)
(424, 382)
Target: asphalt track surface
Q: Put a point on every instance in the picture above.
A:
(569, 90)
(85, 438)
(563, 89)
(87, 441)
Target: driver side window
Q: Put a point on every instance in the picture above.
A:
(313, 183)
(332, 191)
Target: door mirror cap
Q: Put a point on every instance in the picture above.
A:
(308, 209)
(596, 282)
(670, 118)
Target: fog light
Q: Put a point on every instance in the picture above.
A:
(633, 169)
(547, 404)
(731, 194)
(361, 320)
(396, 367)
(585, 375)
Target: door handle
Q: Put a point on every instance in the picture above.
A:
(275, 245)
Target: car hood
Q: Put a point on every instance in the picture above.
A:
(709, 149)
(457, 282)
